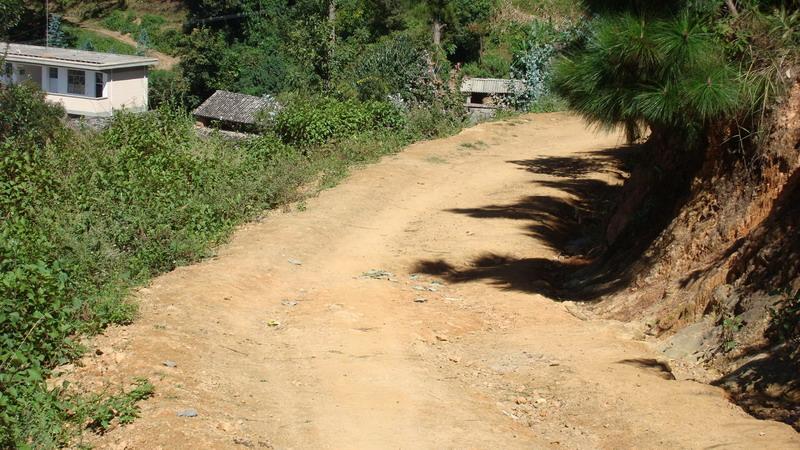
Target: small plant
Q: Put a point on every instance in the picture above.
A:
(730, 326)
(785, 315)
(99, 411)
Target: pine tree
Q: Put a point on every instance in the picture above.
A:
(55, 32)
(662, 73)
(143, 43)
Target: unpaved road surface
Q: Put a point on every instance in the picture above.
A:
(281, 342)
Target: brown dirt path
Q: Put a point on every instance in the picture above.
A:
(279, 355)
(165, 61)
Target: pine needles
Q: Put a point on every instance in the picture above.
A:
(660, 72)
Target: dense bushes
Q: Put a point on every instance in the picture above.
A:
(312, 121)
(533, 62)
(390, 67)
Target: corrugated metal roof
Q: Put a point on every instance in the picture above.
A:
(492, 86)
(232, 107)
(71, 57)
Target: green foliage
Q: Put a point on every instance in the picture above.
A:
(99, 411)
(149, 30)
(167, 87)
(10, 14)
(121, 21)
(55, 32)
(390, 66)
(533, 62)
(766, 45)
(202, 63)
(256, 70)
(730, 326)
(315, 120)
(665, 73)
(785, 318)
(89, 40)
(432, 122)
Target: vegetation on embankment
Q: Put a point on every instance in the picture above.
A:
(698, 229)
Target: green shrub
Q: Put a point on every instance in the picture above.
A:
(390, 67)
(431, 122)
(167, 88)
(167, 40)
(90, 40)
(785, 318)
(121, 21)
(315, 120)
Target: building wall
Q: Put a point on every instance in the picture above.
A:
(83, 106)
(122, 89)
(128, 89)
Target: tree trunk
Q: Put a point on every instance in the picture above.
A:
(332, 20)
(331, 41)
(437, 33)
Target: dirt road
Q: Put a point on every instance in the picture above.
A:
(281, 341)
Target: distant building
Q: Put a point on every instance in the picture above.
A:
(86, 83)
(231, 110)
(482, 94)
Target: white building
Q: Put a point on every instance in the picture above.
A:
(85, 83)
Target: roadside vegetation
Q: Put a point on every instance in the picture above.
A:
(89, 215)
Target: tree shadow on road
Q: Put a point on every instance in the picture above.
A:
(571, 224)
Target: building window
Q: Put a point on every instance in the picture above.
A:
(8, 70)
(53, 71)
(99, 84)
(76, 82)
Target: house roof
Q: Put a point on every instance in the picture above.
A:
(492, 86)
(232, 107)
(67, 57)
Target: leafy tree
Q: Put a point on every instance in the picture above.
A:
(202, 62)
(10, 14)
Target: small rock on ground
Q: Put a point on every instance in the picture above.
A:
(191, 412)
